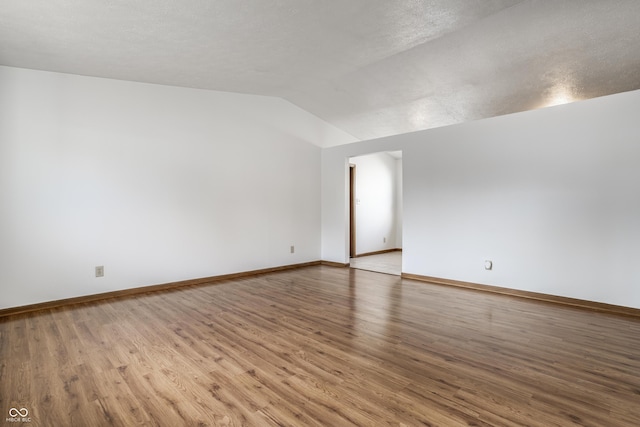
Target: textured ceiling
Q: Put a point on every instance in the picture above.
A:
(370, 67)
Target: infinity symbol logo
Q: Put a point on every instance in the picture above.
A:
(22, 412)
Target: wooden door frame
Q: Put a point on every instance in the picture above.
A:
(352, 210)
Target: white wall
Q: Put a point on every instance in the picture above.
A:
(160, 184)
(376, 197)
(156, 183)
(398, 202)
(552, 196)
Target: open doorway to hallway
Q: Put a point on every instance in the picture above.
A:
(375, 219)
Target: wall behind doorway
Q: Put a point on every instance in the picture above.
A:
(377, 198)
(398, 203)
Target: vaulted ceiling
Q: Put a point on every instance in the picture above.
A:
(370, 67)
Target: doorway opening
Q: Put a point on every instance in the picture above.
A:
(375, 212)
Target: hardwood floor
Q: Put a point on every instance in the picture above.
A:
(320, 346)
(388, 263)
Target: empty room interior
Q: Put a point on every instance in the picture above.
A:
(185, 186)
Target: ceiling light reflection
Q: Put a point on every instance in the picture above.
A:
(560, 95)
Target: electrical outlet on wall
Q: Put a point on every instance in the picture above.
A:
(384, 240)
(293, 249)
(100, 271)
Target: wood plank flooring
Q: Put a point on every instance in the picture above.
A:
(389, 263)
(320, 346)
